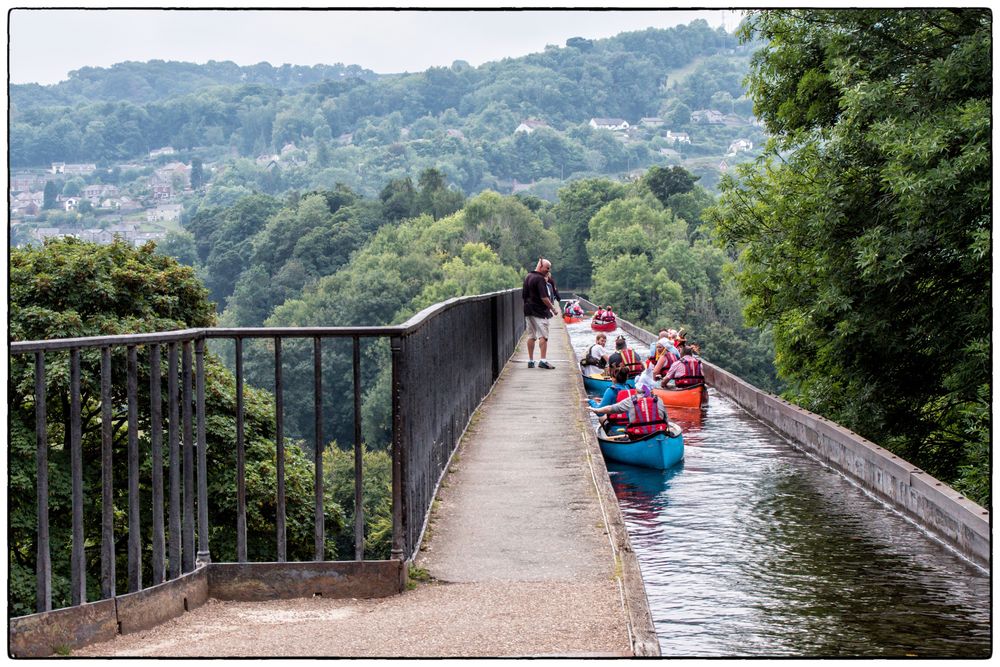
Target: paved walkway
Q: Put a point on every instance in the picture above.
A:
(517, 550)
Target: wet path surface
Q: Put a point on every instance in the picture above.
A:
(751, 548)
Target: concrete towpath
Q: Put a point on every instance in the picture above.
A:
(518, 553)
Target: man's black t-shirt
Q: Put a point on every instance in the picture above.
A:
(533, 292)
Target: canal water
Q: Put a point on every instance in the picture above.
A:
(750, 548)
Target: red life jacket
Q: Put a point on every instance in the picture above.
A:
(631, 362)
(647, 417)
(692, 373)
(621, 417)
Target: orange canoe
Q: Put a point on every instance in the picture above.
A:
(690, 397)
(569, 319)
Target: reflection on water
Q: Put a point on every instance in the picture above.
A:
(751, 548)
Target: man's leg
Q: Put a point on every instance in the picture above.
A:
(543, 346)
(531, 352)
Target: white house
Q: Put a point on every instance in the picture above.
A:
(739, 146)
(678, 137)
(609, 123)
(651, 121)
(529, 125)
(166, 150)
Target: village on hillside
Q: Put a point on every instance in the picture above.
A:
(137, 201)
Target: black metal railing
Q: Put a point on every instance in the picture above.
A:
(444, 361)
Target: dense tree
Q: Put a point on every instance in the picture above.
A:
(50, 193)
(578, 202)
(664, 183)
(865, 231)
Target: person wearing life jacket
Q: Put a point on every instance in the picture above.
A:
(577, 310)
(653, 346)
(599, 315)
(596, 354)
(627, 358)
(612, 393)
(666, 360)
(646, 413)
(686, 371)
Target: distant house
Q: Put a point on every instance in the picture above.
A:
(678, 137)
(529, 125)
(168, 172)
(651, 122)
(710, 116)
(162, 190)
(100, 190)
(42, 233)
(345, 139)
(163, 212)
(456, 134)
(26, 182)
(739, 146)
(22, 208)
(723, 166)
(70, 203)
(166, 150)
(77, 169)
(288, 148)
(265, 159)
(609, 123)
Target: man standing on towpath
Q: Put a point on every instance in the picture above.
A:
(538, 309)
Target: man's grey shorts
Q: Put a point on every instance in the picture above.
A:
(538, 327)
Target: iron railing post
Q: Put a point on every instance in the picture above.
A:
(43, 559)
(78, 566)
(398, 547)
(279, 437)
(134, 535)
(187, 456)
(156, 447)
(241, 483)
(107, 481)
(204, 554)
(173, 439)
(359, 515)
(319, 528)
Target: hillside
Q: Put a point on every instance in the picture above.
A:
(591, 108)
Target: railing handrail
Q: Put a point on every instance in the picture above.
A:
(180, 335)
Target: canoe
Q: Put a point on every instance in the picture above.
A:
(689, 397)
(600, 325)
(570, 319)
(658, 450)
(595, 382)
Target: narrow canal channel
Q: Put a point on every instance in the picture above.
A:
(751, 548)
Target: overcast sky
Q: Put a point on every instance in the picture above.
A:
(46, 44)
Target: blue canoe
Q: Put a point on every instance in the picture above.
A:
(595, 382)
(660, 451)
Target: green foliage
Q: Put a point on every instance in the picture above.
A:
(578, 202)
(665, 183)
(376, 494)
(181, 246)
(398, 125)
(873, 223)
(50, 193)
(69, 288)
